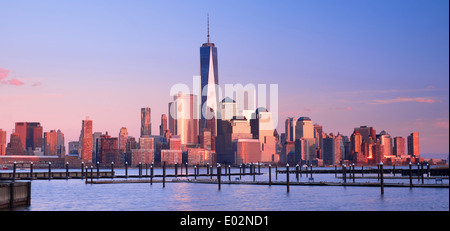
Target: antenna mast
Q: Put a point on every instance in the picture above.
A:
(208, 27)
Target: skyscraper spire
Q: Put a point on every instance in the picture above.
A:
(208, 28)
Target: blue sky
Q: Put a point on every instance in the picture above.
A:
(343, 63)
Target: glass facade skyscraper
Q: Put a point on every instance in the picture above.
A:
(209, 82)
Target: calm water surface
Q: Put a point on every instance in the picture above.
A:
(75, 195)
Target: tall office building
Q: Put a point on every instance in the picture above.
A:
(304, 128)
(50, 143)
(399, 146)
(368, 133)
(163, 126)
(86, 140)
(21, 130)
(30, 134)
(123, 137)
(386, 141)
(108, 150)
(146, 125)
(15, 146)
(332, 149)
(209, 77)
(2, 142)
(262, 128)
(413, 144)
(290, 125)
(60, 145)
(183, 113)
(356, 142)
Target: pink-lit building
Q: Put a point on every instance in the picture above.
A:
(171, 156)
(183, 113)
(30, 134)
(2, 142)
(399, 146)
(15, 146)
(146, 125)
(50, 143)
(413, 144)
(199, 156)
(146, 152)
(86, 140)
(247, 151)
(123, 137)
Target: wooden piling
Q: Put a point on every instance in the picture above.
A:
(218, 175)
(126, 169)
(287, 177)
(381, 178)
(353, 169)
(270, 175)
(164, 174)
(49, 170)
(140, 169)
(31, 170)
(82, 169)
(421, 172)
(86, 175)
(229, 172)
(14, 170)
(176, 169)
(151, 174)
(240, 173)
(112, 169)
(187, 170)
(410, 175)
(98, 169)
(296, 172)
(92, 174)
(195, 172)
(254, 173)
(211, 172)
(67, 170)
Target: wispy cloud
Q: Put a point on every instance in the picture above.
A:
(405, 99)
(388, 91)
(36, 84)
(4, 75)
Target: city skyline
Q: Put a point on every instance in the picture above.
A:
(396, 94)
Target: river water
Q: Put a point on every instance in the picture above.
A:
(75, 195)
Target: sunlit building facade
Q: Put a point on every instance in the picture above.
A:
(146, 125)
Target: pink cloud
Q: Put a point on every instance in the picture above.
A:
(4, 74)
(14, 82)
(36, 84)
(405, 99)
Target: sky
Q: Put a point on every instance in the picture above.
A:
(345, 63)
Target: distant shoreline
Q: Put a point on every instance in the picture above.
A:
(435, 156)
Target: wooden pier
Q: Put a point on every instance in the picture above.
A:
(13, 194)
(281, 183)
